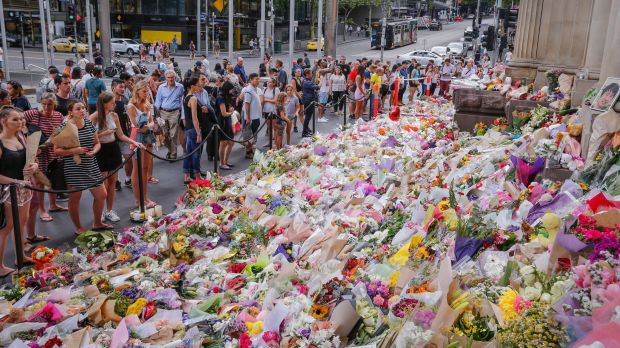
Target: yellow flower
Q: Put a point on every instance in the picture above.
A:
(123, 257)
(394, 278)
(319, 312)
(254, 328)
(584, 186)
(422, 253)
(136, 307)
(506, 304)
(443, 205)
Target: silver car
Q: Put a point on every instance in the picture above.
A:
(421, 56)
(128, 46)
(457, 48)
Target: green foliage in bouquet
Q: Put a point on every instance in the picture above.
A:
(12, 294)
(394, 223)
(95, 241)
(475, 226)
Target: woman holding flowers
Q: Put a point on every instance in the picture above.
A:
(13, 170)
(225, 109)
(86, 174)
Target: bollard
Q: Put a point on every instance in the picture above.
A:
(140, 175)
(216, 157)
(17, 233)
(345, 112)
(313, 118)
(270, 132)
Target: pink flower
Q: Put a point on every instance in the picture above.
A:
(609, 276)
(582, 278)
(378, 300)
(612, 292)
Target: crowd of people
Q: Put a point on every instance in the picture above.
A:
(183, 112)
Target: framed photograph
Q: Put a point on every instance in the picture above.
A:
(607, 96)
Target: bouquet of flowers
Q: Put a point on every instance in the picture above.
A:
(92, 241)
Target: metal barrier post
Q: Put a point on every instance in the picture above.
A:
(345, 112)
(17, 233)
(216, 157)
(270, 131)
(371, 111)
(140, 175)
(313, 118)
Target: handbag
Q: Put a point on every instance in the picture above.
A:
(55, 172)
(33, 128)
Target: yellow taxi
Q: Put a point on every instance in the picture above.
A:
(68, 45)
(312, 44)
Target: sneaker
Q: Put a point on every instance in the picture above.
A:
(127, 182)
(111, 216)
(118, 185)
(322, 120)
(295, 130)
(62, 197)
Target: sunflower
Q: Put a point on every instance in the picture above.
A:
(319, 311)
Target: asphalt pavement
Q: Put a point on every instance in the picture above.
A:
(170, 175)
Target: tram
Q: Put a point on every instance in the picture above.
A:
(398, 33)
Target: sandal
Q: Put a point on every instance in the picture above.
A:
(37, 239)
(225, 167)
(104, 227)
(150, 205)
(153, 180)
(58, 209)
(45, 217)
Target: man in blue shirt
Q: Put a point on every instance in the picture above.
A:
(169, 100)
(93, 88)
(240, 72)
(308, 90)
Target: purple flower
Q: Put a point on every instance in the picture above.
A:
(216, 208)
(387, 164)
(526, 171)
(286, 250)
(304, 332)
(425, 318)
(320, 150)
(132, 293)
(182, 268)
(609, 244)
(390, 142)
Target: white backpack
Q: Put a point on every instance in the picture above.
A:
(45, 85)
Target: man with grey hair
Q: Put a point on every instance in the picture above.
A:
(240, 72)
(169, 100)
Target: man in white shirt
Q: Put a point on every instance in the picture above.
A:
(252, 111)
(447, 71)
(129, 66)
(82, 62)
(206, 69)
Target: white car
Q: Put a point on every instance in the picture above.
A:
(440, 51)
(457, 48)
(420, 56)
(128, 46)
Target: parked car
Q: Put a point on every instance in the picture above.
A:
(458, 18)
(440, 51)
(67, 44)
(128, 46)
(471, 16)
(312, 44)
(457, 48)
(420, 56)
(435, 25)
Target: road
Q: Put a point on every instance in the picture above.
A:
(171, 174)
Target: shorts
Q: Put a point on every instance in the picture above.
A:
(323, 97)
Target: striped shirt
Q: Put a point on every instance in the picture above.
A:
(47, 126)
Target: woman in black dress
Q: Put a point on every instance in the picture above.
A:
(225, 109)
(13, 171)
(87, 173)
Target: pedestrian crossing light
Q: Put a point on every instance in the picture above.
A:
(71, 12)
(79, 18)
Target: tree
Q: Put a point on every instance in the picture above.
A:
(347, 6)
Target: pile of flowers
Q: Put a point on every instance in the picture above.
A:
(390, 233)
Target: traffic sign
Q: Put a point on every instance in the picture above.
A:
(219, 5)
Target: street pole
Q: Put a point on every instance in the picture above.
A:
(319, 31)
(198, 46)
(43, 32)
(383, 24)
(89, 30)
(262, 29)
(4, 45)
(76, 36)
(104, 28)
(496, 21)
(50, 28)
(291, 35)
(272, 32)
(21, 17)
(213, 32)
(231, 25)
(207, 28)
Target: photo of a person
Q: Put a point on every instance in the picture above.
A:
(607, 95)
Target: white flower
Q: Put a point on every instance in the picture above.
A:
(528, 274)
(546, 298)
(560, 288)
(533, 293)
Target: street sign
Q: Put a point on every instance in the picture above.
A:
(219, 5)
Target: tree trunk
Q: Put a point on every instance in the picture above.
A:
(331, 25)
(312, 19)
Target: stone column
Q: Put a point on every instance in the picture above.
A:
(599, 23)
(610, 64)
(528, 30)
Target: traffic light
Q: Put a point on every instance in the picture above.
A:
(476, 32)
(70, 12)
(488, 38)
(513, 16)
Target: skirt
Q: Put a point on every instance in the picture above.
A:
(109, 157)
(84, 175)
